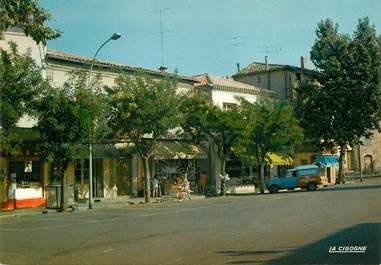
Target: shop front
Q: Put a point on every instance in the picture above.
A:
(175, 160)
(24, 183)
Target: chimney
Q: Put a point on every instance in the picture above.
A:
(267, 65)
(238, 68)
(163, 69)
(302, 62)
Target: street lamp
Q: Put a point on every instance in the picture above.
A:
(114, 36)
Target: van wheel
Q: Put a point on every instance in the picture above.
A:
(311, 186)
(273, 189)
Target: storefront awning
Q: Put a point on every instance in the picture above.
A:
(327, 161)
(279, 160)
(178, 150)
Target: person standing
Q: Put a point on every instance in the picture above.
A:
(155, 186)
(202, 181)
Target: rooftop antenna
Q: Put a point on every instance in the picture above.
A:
(268, 49)
(236, 41)
(161, 32)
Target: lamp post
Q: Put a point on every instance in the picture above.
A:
(114, 36)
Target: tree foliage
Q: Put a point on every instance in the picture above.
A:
(142, 111)
(267, 127)
(345, 104)
(21, 83)
(28, 15)
(205, 121)
(66, 121)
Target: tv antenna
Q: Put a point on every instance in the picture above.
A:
(161, 32)
(268, 49)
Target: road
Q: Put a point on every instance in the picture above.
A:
(296, 227)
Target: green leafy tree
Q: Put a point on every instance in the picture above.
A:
(345, 102)
(21, 83)
(28, 15)
(267, 127)
(143, 110)
(205, 121)
(66, 121)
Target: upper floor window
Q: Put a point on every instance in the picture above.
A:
(228, 106)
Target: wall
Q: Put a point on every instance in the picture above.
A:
(220, 97)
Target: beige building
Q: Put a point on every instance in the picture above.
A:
(279, 78)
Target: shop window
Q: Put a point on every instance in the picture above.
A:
(25, 172)
(54, 175)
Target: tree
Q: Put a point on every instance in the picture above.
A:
(28, 15)
(205, 121)
(66, 121)
(20, 78)
(345, 102)
(21, 83)
(142, 111)
(268, 127)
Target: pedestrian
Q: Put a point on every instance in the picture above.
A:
(202, 181)
(155, 186)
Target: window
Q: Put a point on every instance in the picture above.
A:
(304, 162)
(228, 106)
(25, 172)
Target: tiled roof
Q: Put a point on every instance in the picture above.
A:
(257, 67)
(60, 55)
(228, 84)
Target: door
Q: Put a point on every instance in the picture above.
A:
(98, 178)
(123, 171)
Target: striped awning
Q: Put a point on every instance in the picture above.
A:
(178, 150)
(279, 160)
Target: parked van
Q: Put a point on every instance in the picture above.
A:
(305, 177)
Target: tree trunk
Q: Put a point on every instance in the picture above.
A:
(340, 179)
(64, 202)
(147, 182)
(359, 160)
(223, 181)
(262, 177)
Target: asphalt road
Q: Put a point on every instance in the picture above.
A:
(287, 228)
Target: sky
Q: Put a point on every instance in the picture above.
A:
(201, 36)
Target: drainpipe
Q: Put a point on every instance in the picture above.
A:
(268, 74)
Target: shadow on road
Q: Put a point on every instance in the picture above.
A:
(367, 234)
(341, 187)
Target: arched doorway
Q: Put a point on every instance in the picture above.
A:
(368, 165)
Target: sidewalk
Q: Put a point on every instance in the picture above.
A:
(121, 201)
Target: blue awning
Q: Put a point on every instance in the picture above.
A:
(327, 161)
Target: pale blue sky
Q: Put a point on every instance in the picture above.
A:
(201, 32)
